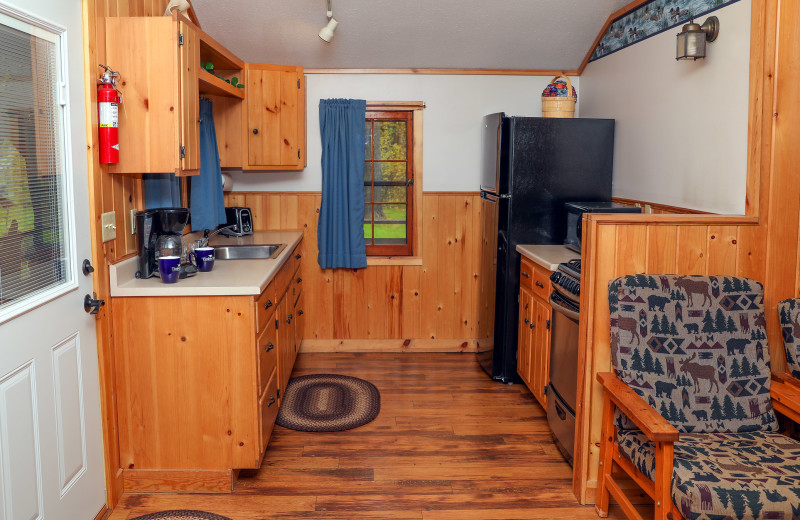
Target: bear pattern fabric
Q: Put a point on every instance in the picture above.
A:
(695, 348)
(720, 476)
(789, 312)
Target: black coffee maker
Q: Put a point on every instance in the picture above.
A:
(150, 226)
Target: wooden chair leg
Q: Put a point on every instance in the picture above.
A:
(606, 457)
(663, 481)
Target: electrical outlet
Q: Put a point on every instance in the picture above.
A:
(134, 211)
(108, 221)
(648, 208)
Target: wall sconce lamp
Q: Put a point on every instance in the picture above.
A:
(692, 39)
(326, 33)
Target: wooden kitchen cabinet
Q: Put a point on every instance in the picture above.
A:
(274, 133)
(199, 382)
(161, 81)
(533, 344)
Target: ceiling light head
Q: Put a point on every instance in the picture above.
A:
(693, 37)
(326, 33)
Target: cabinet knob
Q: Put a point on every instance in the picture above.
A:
(298, 256)
(526, 275)
(299, 280)
(271, 401)
(268, 304)
(533, 326)
(539, 284)
(300, 312)
(255, 131)
(289, 319)
(269, 346)
(527, 320)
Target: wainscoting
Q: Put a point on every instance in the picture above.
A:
(432, 307)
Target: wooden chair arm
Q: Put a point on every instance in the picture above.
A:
(785, 393)
(642, 414)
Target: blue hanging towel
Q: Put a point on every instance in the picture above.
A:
(341, 217)
(206, 203)
(161, 190)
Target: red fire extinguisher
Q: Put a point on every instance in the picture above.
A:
(108, 100)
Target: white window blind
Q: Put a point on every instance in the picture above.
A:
(33, 239)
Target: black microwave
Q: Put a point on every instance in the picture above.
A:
(575, 211)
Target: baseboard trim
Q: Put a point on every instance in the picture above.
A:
(388, 345)
(104, 512)
(180, 480)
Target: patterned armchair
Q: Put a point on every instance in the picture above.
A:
(789, 312)
(687, 412)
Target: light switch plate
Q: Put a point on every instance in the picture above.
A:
(108, 221)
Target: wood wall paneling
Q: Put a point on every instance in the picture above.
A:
(396, 306)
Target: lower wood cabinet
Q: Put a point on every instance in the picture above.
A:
(533, 342)
(199, 381)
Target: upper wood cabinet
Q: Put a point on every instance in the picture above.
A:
(274, 133)
(161, 81)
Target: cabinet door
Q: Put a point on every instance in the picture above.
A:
(276, 117)
(524, 336)
(189, 60)
(540, 350)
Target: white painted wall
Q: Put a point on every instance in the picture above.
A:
(451, 122)
(681, 135)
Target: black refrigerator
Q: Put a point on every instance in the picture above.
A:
(531, 166)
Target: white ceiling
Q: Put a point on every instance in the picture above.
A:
(475, 34)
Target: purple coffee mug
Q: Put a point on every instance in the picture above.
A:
(203, 258)
(169, 267)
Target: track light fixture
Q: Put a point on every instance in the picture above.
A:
(326, 33)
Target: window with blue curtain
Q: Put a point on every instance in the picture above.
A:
(341, 218)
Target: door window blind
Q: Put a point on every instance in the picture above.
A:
(33, 240)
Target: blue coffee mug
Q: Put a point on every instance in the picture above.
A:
(203, 258)
(169, 267)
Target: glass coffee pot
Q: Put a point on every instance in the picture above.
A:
(169, 245)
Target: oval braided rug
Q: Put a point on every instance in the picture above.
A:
(181, 515)
(328, 403)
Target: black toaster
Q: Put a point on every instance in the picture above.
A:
(240, 221)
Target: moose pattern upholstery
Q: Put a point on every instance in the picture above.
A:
(789, 312)
(695, 348)
(727, 475)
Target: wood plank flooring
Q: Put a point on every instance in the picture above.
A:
(448, 444)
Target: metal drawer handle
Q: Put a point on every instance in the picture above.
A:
(271, 401)
(539, 284)
(269, 346)
(268, 304)
(526, 275)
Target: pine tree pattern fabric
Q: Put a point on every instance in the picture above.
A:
(720, 476)
(695, 348)
(789, 312)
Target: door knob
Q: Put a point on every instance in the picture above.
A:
(91, 305)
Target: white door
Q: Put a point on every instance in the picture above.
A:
(51, 454)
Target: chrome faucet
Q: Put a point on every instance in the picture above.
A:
(203, 242)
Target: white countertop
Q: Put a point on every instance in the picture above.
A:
(547, 256)
(227, 278)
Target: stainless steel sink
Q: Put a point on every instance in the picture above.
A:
(248, 252)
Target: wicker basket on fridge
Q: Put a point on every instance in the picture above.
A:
(559, 98)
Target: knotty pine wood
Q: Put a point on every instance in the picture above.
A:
(449, 443)
(438, 300)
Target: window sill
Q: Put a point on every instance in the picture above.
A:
(394, 260)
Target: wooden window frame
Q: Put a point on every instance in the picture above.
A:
(411, 252)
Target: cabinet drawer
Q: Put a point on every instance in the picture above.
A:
(541, 282)
(265, 307)
(284, 277)
(267, 356)
(268, 409)
(526, 273)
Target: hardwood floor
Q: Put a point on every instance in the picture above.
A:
(448, 444)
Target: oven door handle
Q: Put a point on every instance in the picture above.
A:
(563, 310)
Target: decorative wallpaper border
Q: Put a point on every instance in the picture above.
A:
(652, 18)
